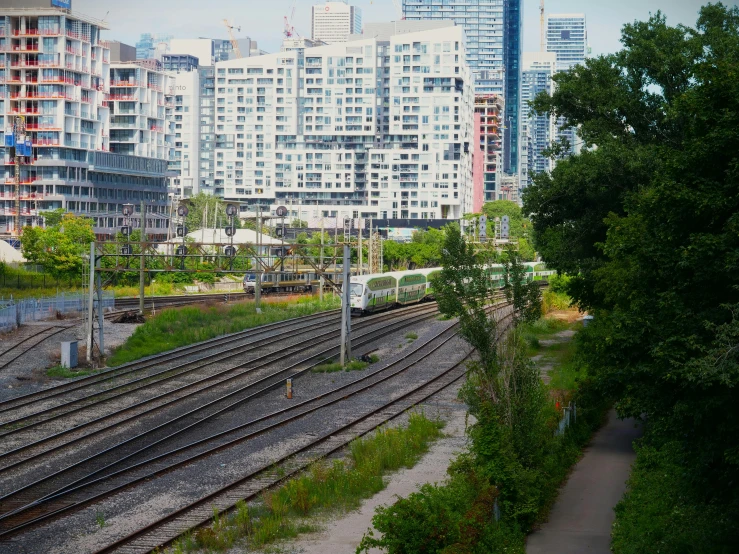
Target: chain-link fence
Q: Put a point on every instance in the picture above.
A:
(14, 313)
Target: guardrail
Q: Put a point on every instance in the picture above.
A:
(14, 313)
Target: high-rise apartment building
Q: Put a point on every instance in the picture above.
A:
(493, 29)
(335, 22)
(367, 128)
(537, 131)
(567, 38)
(54, 90)
(150, 44)
(184, 164)
(489, 118)
(138, 119)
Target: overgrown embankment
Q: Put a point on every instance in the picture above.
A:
(176, 327)
(325, 488)
(504, 484)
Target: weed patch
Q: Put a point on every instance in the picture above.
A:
(325, 487)
(411, 336)
(176, 327)
(353, 365)
(60, 372)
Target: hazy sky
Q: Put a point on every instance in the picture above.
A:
(262, 20)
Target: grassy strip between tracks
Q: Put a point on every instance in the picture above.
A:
(176, 327)
(324, 489)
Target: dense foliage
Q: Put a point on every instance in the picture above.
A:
(646, 220)
(59, 248)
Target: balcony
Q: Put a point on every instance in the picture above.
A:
(46, 142)
(124, 83)
(26, 33)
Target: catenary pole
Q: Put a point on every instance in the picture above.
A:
(142, 260)
(258, 272)
(91, 292)
(320, 278)
(346, 347)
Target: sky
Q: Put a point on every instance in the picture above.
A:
(262, 20)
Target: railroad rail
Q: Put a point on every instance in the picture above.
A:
(113, 456)
(9, 355)
(200, 513)
(85, 490)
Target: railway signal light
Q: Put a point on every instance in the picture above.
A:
(126, 230)
(181, 251)
(505, 227)
(181, 230)
(230, 251)
(182, 210)
(483, 224)
(126, 250)
(230, 231)
(231, 210)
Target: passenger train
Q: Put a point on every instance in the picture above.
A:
(382, 291)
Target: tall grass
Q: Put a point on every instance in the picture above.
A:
(324, 487)
(176, 327)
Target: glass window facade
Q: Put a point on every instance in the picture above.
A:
(493, 31)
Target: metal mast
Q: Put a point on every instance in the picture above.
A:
(19, 133)
(542, 31)
(234, 42)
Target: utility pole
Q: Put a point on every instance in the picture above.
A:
(359, 256)
(91, 297)
(320, 278)
(346, 320)
(258, 272)
(142, 261)
(101, 316)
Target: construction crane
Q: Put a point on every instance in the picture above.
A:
(542, 31)
(289, 30)
(398, 8)
(234, 42)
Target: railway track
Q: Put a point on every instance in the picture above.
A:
(173, 427)
(83, 384)
(193, 368)
(26, 345)
(97, 485)
(9, 355)
(200, 513)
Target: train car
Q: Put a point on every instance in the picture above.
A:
(279, 282)
(372, 293)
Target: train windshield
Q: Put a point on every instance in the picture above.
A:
(356, 289)
(249, 277)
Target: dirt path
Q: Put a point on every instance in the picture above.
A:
(581, 519)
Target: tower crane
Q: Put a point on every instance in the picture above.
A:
(289, 30)
(542, 31)
(234, 42)
(398, 8)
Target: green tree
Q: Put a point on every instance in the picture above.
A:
(524, 295)
(202, 205)
(646, 222)
(59, 248)
(53, 217)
